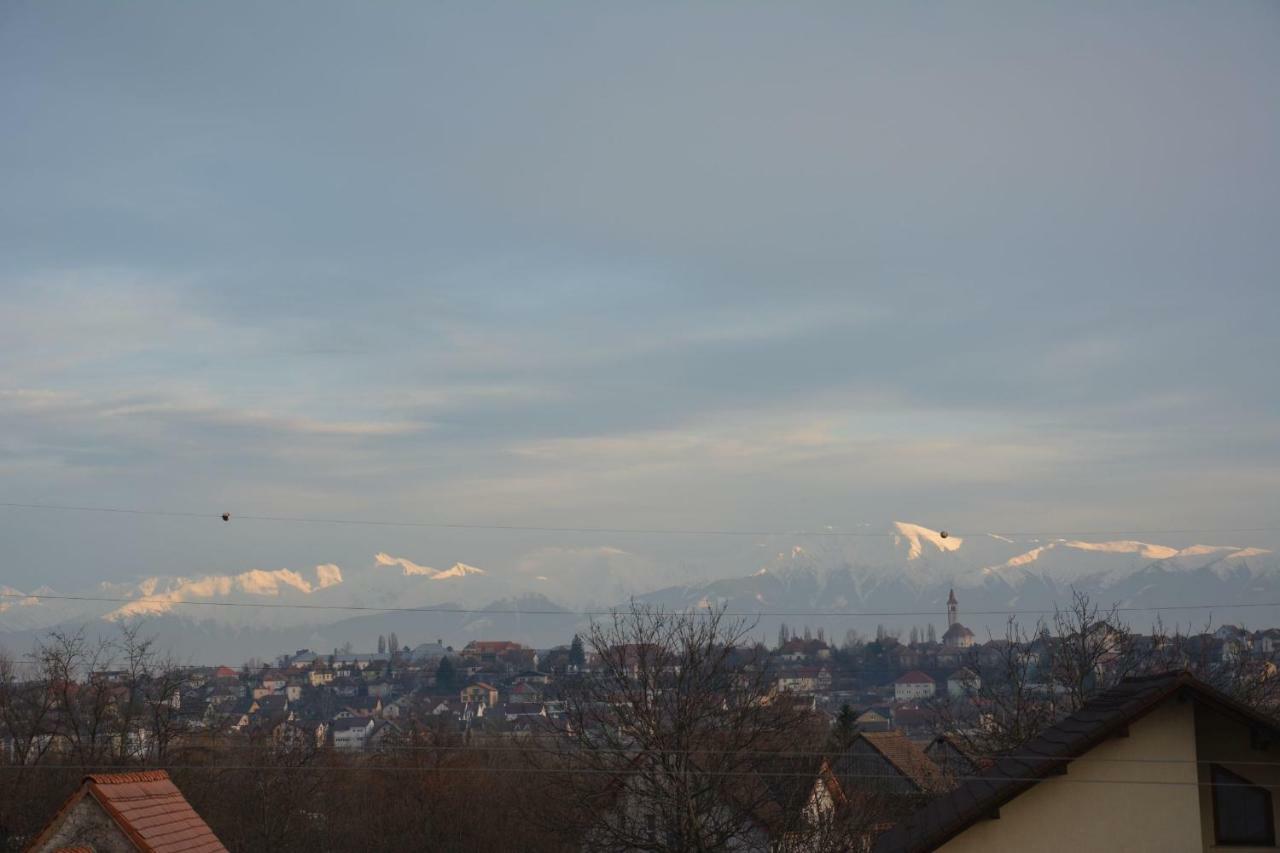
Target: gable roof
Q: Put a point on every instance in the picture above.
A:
(907, 758)
(915, 676)
(1099, 719)
(346, 724)
(148, 808)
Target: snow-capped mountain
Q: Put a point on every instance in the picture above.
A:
(904, 568)
(909, 569)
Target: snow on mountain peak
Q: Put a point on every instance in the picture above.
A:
(1126, 546)
(1112, 562)
(457, 570)
(328, 575)
(259, 582)
(916, 536)
(407, 566)
(1238, 553)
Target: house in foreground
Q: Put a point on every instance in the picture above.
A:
(127, 812)
(1159, 763)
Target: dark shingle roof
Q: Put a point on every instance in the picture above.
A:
(1099, 719)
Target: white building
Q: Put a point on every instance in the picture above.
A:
(963, 682)
(912, 686)
(352, 732)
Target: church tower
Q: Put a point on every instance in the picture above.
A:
(952, 607)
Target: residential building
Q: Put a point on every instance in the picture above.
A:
(352, 732)
(913, 686)
(1159, 763)
(963, 682)
(480, 692)
(871, 721)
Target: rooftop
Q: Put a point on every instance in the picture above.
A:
(148, 808)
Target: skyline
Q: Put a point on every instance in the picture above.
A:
(586, 267)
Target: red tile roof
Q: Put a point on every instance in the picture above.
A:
(149, 809)
(915, 676)
(908, 758)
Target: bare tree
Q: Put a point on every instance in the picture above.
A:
(668, 740)
(1005, 703)
(26, 711)
(76, 670)
(1091, 650)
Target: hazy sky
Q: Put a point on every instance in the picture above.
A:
(1006, 267)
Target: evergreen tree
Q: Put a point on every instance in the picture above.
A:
(807, 634)
(393, 642)
(446, 675)
(846, 728)
(932, 633)
(914, 637)
(822, 634)
(783, 635)
(577, 655)
(382, 644)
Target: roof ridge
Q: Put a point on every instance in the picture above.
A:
(126, 778)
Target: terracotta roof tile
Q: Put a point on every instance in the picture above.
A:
(151, 811)
(908, 758)
(915, 676)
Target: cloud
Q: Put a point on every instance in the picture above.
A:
(809, 268)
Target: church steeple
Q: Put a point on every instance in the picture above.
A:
(952, 607)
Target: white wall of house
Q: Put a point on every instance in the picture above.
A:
(910, 692)
(353, 738)
(1067, 814)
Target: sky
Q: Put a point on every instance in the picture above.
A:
(721, 266)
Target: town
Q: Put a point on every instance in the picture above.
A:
(844, 743)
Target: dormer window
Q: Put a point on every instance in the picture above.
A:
(1242, 813)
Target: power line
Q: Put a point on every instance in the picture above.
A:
(622, 771)
(695, 611)
(755, 753)
(662, 531)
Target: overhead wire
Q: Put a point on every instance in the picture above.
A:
(620, 530)
(619, 772)
(692, 611)
(755, 753)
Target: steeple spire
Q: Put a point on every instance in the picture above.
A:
(952, 607)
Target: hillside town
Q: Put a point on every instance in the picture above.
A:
(869, 733)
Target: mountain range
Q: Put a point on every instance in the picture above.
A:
(887, 574)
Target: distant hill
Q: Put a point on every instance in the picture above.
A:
(900, 575)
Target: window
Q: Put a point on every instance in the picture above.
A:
(1241, 810)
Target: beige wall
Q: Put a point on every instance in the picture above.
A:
(1070, 814)
(1224, 740)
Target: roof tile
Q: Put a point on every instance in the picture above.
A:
(151, 811)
